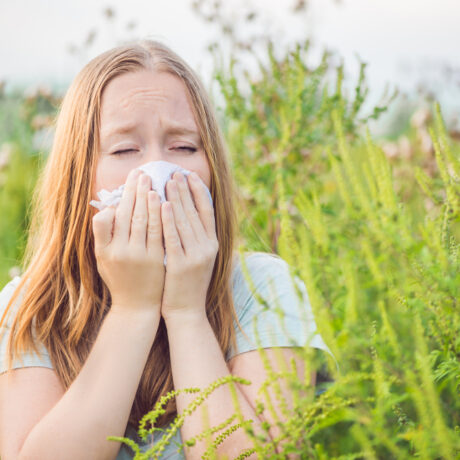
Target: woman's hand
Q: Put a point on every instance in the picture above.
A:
(129, 248)
(191, 246)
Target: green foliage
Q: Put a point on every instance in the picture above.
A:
(286, 111)
(384, 290)
(21, 116)
(15, 191)
(381, 270)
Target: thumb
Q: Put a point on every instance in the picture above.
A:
(103, 223)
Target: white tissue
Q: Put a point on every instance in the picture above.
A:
(159, 171)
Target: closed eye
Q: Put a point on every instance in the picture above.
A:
(121, 152)
(191, 149)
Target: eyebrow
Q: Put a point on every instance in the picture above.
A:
(171, 128)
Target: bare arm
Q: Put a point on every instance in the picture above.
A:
(198, 366)
(74, 424)
(98, 402)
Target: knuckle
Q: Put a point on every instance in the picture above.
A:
(153, 230)
(118, 256)
(136, 257)
(181, 225)
(210, 251)
(139, 218)
(197, 259)
(134, 251)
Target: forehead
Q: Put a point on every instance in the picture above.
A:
(138, 94)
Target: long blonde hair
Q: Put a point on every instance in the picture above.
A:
(66, 300)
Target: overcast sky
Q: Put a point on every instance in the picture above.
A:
(403, 41)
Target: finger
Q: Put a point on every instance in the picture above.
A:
(154, 227)
(203, 205)
(189, 206)
(103, 223)
(173, 245)
(185, 231)
(125, 208)
(138, 235)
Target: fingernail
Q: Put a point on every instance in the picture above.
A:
(178, 177)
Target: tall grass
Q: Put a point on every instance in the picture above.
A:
(383, 280)
(382, 273)
(384, 291)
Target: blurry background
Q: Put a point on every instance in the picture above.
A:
(387, 61)
(411, 44)
(371, 223)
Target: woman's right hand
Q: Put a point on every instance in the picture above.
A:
(129, 246)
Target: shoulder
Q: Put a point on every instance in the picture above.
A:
(257, 274)
(26, 358)
(272, 305)
(5, 295)
(260, 265)
(266, 292)
(10, 286)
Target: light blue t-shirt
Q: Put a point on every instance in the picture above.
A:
(272, 280)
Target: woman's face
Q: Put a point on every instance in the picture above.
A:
(147, 113)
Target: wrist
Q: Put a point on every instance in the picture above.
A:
(136, 311)
(185, 318)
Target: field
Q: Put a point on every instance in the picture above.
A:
(371, 227)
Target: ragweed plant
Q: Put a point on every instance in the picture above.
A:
(384, 290)
(285, 109)
(382, 274)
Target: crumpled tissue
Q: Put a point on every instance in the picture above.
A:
(159, 171)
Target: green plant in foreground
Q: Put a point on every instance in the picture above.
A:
(384, 291)
(382, 275)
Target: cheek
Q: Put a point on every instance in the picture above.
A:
(108, 178)
(99, 182)
(204, 172)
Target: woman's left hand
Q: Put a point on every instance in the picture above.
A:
(191, 246)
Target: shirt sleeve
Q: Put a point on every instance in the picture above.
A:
(286, 319)
(24, 359)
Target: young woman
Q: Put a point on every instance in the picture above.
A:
(104, 329)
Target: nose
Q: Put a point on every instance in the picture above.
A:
(158, 154)
(155, 153)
